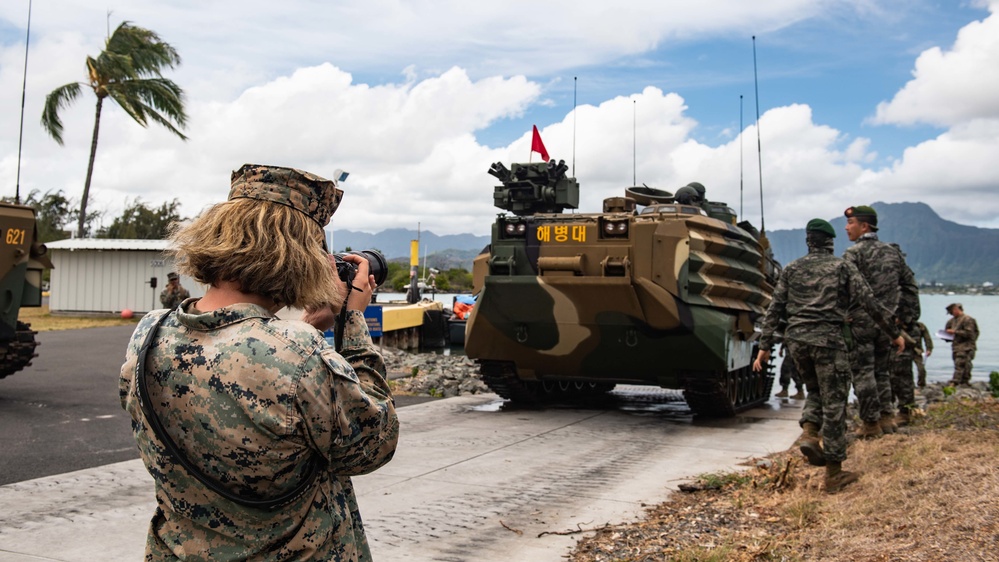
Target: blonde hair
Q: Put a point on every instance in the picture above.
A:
(268, 249)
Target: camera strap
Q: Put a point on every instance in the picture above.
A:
(314, 467)
(341, 318)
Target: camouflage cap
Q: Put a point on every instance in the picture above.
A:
(819, 225)
(315, 196)
(954, 305)
(172, 275)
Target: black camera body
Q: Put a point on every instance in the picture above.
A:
(376, 266)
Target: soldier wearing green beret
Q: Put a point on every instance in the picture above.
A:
(811, 301)
(894, 285)
(252, 425)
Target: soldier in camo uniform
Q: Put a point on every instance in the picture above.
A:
(923, 350)
(812, 296)
(894, 285)
(788, 373)
(964, 328)
(903, 387)
(260, 407)
(174, 293)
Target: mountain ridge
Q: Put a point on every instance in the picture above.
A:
(937, 250)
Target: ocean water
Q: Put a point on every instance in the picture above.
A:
(939, 366)
(985, 310)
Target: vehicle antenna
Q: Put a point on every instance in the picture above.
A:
(759, 146)
(24, 87)
(740, 157)
(634, 139)
(573, 126)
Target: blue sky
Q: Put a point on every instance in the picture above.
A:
(860, 101)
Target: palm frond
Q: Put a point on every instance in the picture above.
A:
(58, 99)
(158, 99)
(148, 53)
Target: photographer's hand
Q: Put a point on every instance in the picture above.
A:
(361, 286)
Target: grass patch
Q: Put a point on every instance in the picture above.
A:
(927, 493)
(42, 320)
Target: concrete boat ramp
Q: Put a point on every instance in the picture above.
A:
(471, 480)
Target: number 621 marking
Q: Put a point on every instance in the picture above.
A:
(15, 236)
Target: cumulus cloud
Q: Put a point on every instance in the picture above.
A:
(951, 87)
(296, 97)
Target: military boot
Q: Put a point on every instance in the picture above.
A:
(887, 424)
(799, 395)
(870, 430)
(782, 393)
(902, 418)
(837, 478)
(809, 444)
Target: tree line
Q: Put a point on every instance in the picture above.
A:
(55, 214)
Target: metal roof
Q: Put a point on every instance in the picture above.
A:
(108, 244)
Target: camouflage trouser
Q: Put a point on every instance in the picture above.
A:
(788, 373)
(865, 386)
(884, 353)
(826, 374)
(902, 388)
(963, 357)
(921, 368)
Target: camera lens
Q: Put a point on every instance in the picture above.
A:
(376, 264)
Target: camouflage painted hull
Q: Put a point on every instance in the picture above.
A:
(669, 298)
(22, 261)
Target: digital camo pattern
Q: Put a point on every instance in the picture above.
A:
(894, 285)
(788, 373)
(924, 344)
(826, 373)
(903, 387)
(865, 386)
(963, 347)
(890, 278)
(315, 196)
(251, 398)
(813, 295)
(171, 298)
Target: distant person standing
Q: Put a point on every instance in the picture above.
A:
(903, 388)
(965, 331)
(924, 348)
(174, 293)
(894, 286)
(788, 373)
(812, 296)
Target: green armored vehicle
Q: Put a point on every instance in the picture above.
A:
(569, 305)
(22, 261)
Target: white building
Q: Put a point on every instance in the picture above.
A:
(108, 276)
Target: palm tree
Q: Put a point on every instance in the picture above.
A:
(127, 71)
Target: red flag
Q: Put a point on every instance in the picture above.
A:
(538, 146)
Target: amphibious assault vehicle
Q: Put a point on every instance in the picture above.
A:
(655, 290)
(22, 260)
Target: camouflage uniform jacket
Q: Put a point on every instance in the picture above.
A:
(172, 299)
(813, 294)
(889, 277)
(924, 341)
(965, 332)
(251, 398)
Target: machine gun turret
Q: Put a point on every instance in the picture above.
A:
(534, 188)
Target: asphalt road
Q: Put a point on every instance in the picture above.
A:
(62, 413)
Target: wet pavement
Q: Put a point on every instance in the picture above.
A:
(472, 480)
